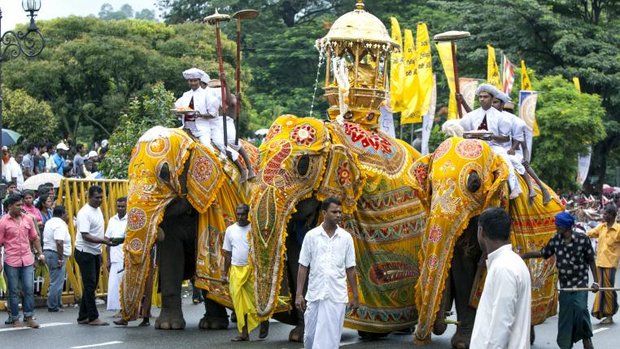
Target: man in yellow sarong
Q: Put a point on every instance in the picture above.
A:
(238, 273)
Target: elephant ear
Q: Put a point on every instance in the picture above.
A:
(419, 172)
(342, 178)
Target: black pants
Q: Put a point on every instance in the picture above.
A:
(90, 266)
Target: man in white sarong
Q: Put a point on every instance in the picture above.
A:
(504, 314)
(116, 232)
(329, 253)
(487, 118)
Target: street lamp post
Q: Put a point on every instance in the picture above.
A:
(13, 44)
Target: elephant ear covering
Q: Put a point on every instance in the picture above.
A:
(148, 195)
(420, 170)
(292, 162)
(452, 206)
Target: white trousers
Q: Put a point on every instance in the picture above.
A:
(114, 286)
(323, 321)
(513, 165)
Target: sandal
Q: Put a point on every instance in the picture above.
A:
(240, 339)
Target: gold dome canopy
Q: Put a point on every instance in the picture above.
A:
(359, 26)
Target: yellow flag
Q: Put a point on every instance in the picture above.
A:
(424, 71)
(444, 48)
(577, 83)
(493, 77)
(410, 92)
(397, 71)
(526, 85)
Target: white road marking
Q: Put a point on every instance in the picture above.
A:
(600, 330)
(51, 324)
(97, 345)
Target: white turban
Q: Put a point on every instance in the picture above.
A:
(193, 73)
(502, 97)
(490, 89)
(205, 78)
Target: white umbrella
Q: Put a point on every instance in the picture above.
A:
(33, 183)
(262, 132)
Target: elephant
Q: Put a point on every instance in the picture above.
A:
(304, 161)
(455, 184)
(182, 196)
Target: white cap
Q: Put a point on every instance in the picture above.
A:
(104, 143)
(62, 146)
(91, 154)
(502, 97)
(205, 78)
(492, 90)
(193, 73)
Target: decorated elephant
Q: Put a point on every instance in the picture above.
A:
(456, 183)
(306, 160)
(182, 196)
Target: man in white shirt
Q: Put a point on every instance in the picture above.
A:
(504, 314)
(56, 248)
(487, 118)
(329, 253)
(88, 241)
(239, 273)
(196, 99)
(11, 170)
(116, 232)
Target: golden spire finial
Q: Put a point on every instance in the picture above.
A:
(359, 5)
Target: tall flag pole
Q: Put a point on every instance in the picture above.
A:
(411, 87)
(493, 77)
(397, 70)
(508, 76)
(526, 84)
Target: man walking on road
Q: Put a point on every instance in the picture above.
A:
(607, 258)
(88, 254)
(573, 255)
(16, 232)
(504, 314)
(329, 253)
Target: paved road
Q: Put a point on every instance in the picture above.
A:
(59, 330)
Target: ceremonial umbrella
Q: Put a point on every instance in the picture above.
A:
(10, 137)
(33, 183)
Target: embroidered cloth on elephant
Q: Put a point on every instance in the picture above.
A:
(443, 177)
(160, 151)
(369, 172)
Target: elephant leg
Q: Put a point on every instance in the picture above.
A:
(292, 251)
(170, 280)
(440, 325)
(215, 317)
(467, 253)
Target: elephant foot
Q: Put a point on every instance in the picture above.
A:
(371, 336)
(213, 323)
(168, 322)
(461, 339)
(440, 326)
(417, 340)
(297, 334)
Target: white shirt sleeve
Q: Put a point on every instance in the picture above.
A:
(349, 253)
(502, 319)
(227, 243)
(58, 232)
(305, 255)
(83, 222)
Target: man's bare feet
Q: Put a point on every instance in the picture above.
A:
(98, 322)
(240, 339)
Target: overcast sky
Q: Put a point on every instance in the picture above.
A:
(13, 13)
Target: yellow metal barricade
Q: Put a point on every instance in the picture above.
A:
(73, 194)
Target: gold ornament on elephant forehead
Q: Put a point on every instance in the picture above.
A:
(357, 49)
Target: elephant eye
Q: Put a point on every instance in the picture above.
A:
(474, 182)
(303, 164)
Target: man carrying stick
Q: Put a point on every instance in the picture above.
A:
(574, 254)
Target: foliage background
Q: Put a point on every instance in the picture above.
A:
(93, 67)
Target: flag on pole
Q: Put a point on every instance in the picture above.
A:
(526, 85)
(577, 83)
(397, 70)
(508, 79)
(425, 75)
(429, 117)
(444, 49)
(583, 166)
(527, 110)
(493, 77)
(411, 88)
(467, 87)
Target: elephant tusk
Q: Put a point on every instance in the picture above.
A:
(451, 322)
(161, 235)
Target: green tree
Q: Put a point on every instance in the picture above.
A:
(145, 14)
(569, 121)
(91, 68)
(151, 109)
(33, 119)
